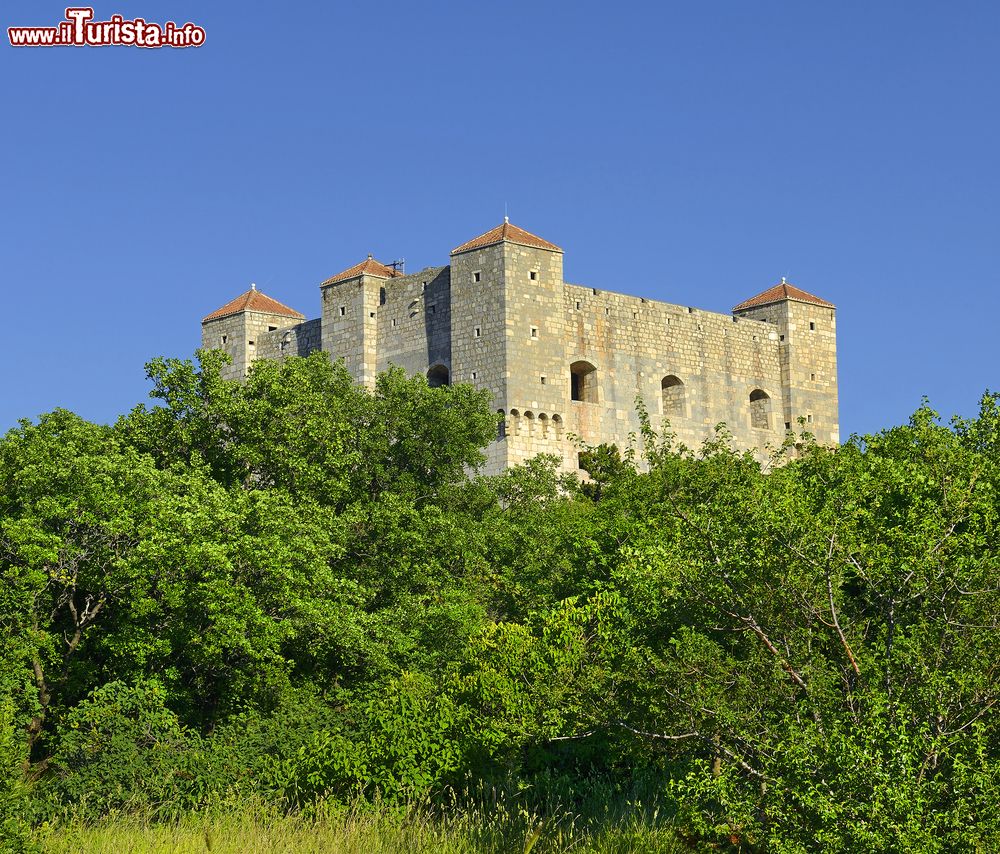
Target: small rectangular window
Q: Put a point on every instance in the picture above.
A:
(542, 378)
(607, 311)
(812, 377)
(476, 276)
(534, 331)
(479, 331)
(812, 326)
(594, 291)
(475, 375)
(423, 286)
(809, 419)
(225, 338)
(578, 305)
(433, 309)
(788, 425)
(343, 310)
(781, 338)
(251, 343)
(371, 314)
(394, 321)
(271, 328)
(533, 275)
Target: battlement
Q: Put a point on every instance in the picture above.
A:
(561, 360)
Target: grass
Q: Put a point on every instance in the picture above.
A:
(482, 830)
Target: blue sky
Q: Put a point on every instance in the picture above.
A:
(691, 152)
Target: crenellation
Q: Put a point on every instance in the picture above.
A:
(565, 363)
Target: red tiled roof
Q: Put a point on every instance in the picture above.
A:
(782, 291)
(368, 267)
(254, 300)
(508, 232)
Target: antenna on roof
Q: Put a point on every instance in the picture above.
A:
(399, 265)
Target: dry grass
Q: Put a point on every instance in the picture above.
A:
(360, 832)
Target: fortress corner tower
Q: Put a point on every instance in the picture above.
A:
(807, 347)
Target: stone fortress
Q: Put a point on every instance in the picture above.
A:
(560, 360)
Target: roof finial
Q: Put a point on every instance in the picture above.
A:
(783, 281)
(506, 219)
(253, 286)
(370, 258)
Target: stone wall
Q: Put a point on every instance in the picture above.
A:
(634, 346)
(299, 340)
(414, 321)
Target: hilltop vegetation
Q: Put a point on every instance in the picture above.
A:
(288, 593)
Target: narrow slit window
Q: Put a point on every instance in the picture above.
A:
(533, 275)
(812, 326)
(343, 310)
(479, 331)
(476, 276)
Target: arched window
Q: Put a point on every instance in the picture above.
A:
(543, 423)
(529, 420)
(760, 409)
(557, 425)
(672, 396)
(583, 382)
(437, 376)
(515, 422)
(501, 425)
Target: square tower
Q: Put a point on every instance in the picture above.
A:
(238, 326)
(807, 345)
(507, 335)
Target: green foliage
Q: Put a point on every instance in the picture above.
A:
(289, 590)
(15, 831)
(120, 747)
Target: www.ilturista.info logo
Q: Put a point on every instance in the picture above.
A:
(81, 30)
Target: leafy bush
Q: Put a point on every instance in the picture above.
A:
(15, 833)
